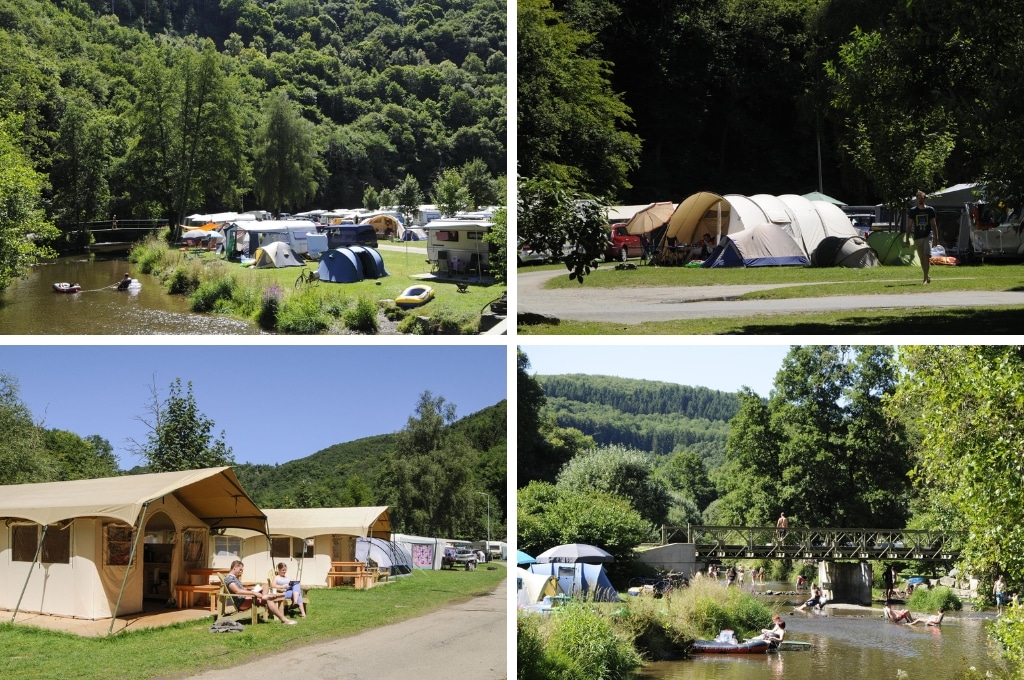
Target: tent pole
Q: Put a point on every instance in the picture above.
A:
(35, 558)
(128, 568)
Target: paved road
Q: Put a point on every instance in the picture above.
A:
(665, 303)
(466, 640)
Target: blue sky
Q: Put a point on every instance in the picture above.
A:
(720, 367)
(275, 403)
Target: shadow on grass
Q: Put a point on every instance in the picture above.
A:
(939, 322)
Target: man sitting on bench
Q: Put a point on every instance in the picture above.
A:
(246, 597)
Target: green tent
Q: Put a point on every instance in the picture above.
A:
(891, 250)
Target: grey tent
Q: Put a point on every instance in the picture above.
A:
(385, 553)
(851, 251)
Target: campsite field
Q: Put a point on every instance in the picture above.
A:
(790, 283)
(214, 285)
(34, 654)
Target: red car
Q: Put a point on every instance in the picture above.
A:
(622, 244)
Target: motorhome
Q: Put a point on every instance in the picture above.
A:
(456, 247)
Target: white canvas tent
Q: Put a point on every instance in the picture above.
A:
(321, 535)
(763, 245)
(385, 553)
(806, 222)
(74, 549)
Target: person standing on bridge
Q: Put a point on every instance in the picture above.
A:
(781, 526)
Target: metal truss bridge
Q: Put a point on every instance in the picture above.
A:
(730, 542)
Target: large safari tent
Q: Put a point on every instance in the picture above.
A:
(97, 548)
(307, 540)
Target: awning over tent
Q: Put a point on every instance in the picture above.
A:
(818, 196)
(309, 522)
(212, 494)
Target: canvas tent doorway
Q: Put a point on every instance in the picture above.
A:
(579, 580)
(92, 561)
(307, 540)
(764, 245)
(276, 255)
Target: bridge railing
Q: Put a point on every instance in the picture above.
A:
(820, 543)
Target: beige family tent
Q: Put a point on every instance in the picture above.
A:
(277, 254)
(305, 539)
(97, 548)
(533, 588)
(806, 222)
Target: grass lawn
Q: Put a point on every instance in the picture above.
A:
(230, 289)
(36, 654)
(806, 282)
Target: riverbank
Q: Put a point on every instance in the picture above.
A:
(276, 301)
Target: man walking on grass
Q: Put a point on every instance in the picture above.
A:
(921, 223)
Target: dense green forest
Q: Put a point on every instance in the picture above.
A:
(744, 97)
(648, 415)
(142, 109)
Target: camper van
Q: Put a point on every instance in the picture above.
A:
(344, 235)
(456, 247)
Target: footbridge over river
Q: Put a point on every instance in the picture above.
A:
(716, 543)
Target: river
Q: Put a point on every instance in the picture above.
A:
(849, 644)
(31, 307)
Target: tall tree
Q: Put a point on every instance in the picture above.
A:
(189, 147)
(80, 457)
(179, 435)
(822, 429)
(286, 160)
(22, 458)
(408, 197)
(428, 478)
(571, 126)
(966, 403)
(450, 193)
(24, 229)
(619, 471)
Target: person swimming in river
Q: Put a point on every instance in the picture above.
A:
(125, 282)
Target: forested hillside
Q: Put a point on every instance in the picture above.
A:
(648, 415)
(155, 110)
(345, 474)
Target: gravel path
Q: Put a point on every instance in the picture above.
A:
(465, 640)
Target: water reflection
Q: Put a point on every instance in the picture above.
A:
(849, 644)
(31, 307)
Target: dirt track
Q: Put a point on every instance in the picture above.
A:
(665, 303)
(466, 640)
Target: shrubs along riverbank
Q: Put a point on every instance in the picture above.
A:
(586, 640)
(271, 298)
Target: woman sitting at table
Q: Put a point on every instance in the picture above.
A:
(290, 589)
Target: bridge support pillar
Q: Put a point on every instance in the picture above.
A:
(677, 557)
(845, 582)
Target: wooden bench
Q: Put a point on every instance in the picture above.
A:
(189, 590)
(343, 571)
